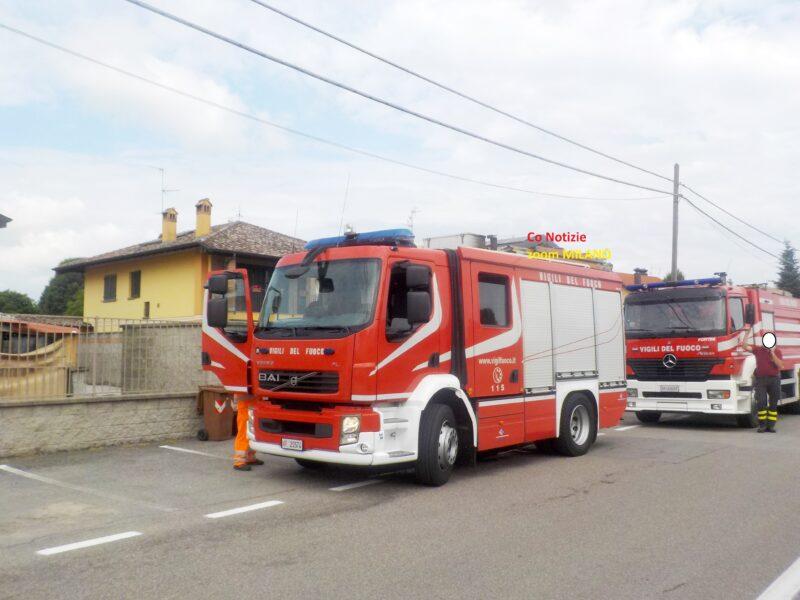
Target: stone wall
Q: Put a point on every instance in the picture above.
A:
(78, 423)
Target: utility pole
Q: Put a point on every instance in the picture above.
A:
(675, 197)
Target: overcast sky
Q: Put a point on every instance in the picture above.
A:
(711, 85)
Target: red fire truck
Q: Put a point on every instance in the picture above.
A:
(370, 351)
(684, 347)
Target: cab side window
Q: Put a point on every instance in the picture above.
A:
(736, 313)
(493, 296)
(397, 325)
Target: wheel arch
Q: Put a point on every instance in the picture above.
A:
(445, 389)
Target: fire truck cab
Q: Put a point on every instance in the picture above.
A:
(370, 351)
(685, 349)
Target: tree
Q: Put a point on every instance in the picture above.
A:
(668, 276)
(61, 289)
(789, 271)
(75, 304)
(16, 302)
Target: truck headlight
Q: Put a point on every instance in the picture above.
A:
(633, 393)
(719, 394)
(351, 426)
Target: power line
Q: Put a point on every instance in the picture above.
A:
(452, 90)
(741, 237)
(730, 214)
(302, 134)
(397, 107)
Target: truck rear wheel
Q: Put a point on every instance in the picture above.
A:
(578, 429)
(438, 445)
(648, 416)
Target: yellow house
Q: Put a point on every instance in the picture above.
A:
(163, 278)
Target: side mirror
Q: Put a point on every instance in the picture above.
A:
(218, 284)
(217, 312)
(750, 314)
(418, 307)
(325, 285)
(417, 276)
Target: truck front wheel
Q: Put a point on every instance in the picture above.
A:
(749, 420)
(648, 416)
(438, 445)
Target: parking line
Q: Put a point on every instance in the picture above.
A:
(177, 449)
(625, 428)
(357, 484)
(243, 509)
(87, 543)
(80, 488)
(785, 586)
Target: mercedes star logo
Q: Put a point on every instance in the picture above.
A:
(669, 361)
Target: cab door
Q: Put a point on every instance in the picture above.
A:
(407, 351)
(228, 328)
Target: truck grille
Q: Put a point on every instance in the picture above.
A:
(687, 369)
(307, 382)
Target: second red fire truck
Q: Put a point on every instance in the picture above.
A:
(370, 351)
(685, 347)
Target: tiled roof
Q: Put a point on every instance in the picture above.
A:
(236, 237)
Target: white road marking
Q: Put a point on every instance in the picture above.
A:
(243, 509)
(625, 428)
(601, 433)
(177, 449)
(80, 488)
(87, 543)
(357, 484)
(785, 586)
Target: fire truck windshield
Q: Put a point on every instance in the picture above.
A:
(675, 313)
(326, 298)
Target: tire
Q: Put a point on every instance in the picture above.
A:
(202, 435)
(749, 420)
(578, 429)
(312, 465)
(648, 416)
(438, 445)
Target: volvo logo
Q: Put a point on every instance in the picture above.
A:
(293, 381)
(669, 361)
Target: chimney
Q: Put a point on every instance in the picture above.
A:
(638, 273)
(169, 225)
(203, 224)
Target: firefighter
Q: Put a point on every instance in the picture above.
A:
(768, 381)
(243, 456)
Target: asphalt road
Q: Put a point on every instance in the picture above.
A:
(690, 508)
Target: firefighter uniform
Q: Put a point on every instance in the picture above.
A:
(243, 456)
(768, 386)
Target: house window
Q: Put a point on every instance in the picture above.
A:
(146, 310)
(110, 288)
(493, 295)
(136, 284)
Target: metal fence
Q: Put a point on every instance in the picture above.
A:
(56, 357)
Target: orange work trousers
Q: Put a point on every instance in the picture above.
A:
(242, 454)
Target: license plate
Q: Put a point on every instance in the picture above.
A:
(288, 444)
(669, 388)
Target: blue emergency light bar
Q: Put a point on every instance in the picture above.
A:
(384, 237)
(668, 284)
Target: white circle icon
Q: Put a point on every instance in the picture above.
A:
(769, 340)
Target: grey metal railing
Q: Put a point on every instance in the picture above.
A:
(45, 356)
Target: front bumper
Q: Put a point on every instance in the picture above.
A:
(383, 440)
(689, 397)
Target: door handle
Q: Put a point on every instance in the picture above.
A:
(514, 377)
(433, 361)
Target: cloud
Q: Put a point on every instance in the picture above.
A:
(711, 85)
